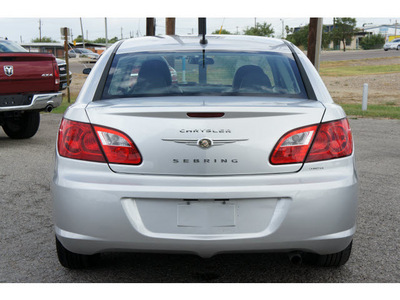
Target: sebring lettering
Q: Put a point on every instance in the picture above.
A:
(204, 161)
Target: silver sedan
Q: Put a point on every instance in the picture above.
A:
(392, 45)
(229, 145)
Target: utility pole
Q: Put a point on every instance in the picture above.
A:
(150, 26)
(105, 24)
(314, 41)
(65, 29)
(170, 26)
(83, 38)
(40, 30)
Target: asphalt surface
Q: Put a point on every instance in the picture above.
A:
(357, 54)
(27, 248)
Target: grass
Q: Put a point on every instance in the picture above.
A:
(386, 111)
(64, 105)
(358, 70)
(371, 66)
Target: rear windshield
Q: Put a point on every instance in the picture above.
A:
(204, 73)
(8, 46)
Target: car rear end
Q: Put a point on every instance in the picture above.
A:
(244, 151)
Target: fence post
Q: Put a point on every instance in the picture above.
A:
(365, 97)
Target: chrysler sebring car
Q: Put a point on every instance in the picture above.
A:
(243, 151)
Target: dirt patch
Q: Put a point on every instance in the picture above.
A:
(76, 85)
(382, 88)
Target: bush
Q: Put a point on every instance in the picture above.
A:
(374, 41)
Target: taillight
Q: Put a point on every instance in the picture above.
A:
(78, 140)
(118, 147)
(331, 140)
(56, 73)
(293, 147)
(334, 140)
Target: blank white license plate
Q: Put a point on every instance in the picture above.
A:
(206, 214)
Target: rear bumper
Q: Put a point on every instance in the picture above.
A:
(38, 102)
(313, 210)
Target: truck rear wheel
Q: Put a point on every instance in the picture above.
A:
(24, 126)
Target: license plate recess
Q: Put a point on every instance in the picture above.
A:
(206, 214)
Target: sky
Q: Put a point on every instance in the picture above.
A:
(20, 21)
(23, 30)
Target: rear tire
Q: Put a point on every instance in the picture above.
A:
(73, 260)
(330, 260)
(24, 126)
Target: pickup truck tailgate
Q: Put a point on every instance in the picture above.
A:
(27, 73)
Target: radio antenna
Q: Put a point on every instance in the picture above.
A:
(203, 30)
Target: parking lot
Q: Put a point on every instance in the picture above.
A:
(27, 249)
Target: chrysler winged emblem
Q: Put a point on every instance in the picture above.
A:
(205, 143)
(8, 70)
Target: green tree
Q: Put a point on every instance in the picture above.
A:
(343, 30)
(44, 39)
(223, 31)
(80, 40)
(373, 41)
(300, 37)
(260, 30)
(103, 40)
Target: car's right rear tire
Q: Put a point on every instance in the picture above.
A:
(73, 260)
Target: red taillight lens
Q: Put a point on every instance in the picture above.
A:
(56, 72)
(293, 146)
(118, 147)
(334, 139)
(78, 140)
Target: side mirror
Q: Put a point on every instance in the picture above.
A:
(87, 71)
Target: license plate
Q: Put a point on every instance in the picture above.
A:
(206, 214)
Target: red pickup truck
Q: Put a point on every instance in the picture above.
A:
(29, 83)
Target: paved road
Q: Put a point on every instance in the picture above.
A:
(27, 251)
(357, 54)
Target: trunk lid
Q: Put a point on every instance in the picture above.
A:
(169, 140)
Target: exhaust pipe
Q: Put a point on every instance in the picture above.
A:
(295, 258)
(49, 108)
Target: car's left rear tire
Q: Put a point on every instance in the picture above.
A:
(329, 260)
(73, 260)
